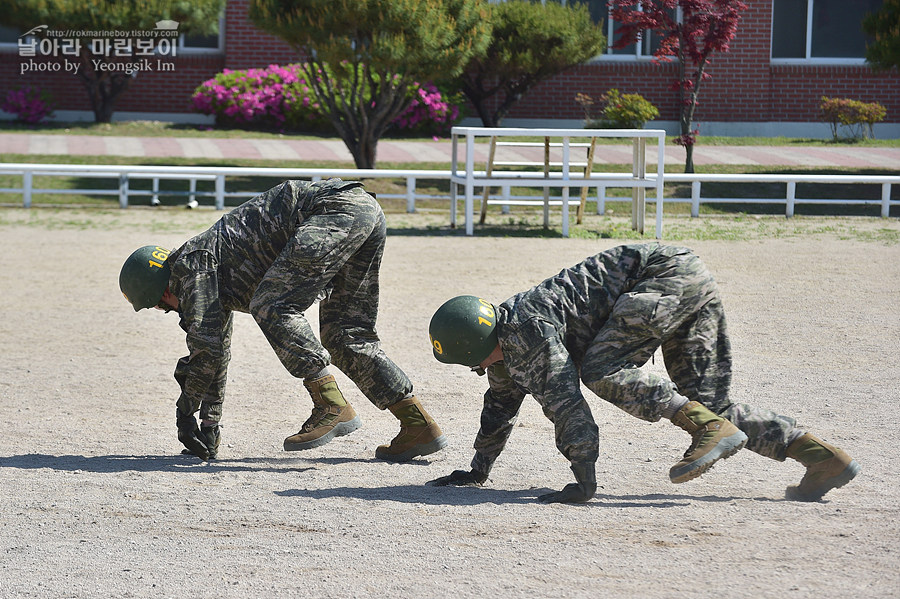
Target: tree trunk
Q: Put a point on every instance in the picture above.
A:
(103, 89)
(486, 116)
(476, 94)
(363, 150)
(689, 158)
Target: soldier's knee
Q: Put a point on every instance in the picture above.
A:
(258, 309)
(264, 311)
(332, 339)
(597, 382)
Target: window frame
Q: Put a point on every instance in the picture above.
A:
(219, 49)
(638, 55)
(808, 60)
(10, 46)
(182, 48)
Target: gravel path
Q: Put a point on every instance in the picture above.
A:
(95, 500)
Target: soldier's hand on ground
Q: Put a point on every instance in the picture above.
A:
(577, 492)
(459, 478)
(571, 493)
(191, 437)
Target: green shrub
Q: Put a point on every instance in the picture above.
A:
(858, 117)
(628, 111)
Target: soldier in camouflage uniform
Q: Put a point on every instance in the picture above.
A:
(273, 257)
(598, 322)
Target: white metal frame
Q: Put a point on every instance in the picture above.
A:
(564, 179)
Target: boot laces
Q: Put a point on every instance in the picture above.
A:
(318, 413)
(695, 443)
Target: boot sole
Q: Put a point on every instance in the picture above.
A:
(418, 450)
(339, 430)
(725, 448)
(793, 492)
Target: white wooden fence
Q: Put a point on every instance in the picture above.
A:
(124, 174)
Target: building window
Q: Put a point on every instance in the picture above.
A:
(9, 36)
(827, 31)
(643, 49)
(204, 43)
(9, 39)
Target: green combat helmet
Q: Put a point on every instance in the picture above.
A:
(145, 276)
(463, 331)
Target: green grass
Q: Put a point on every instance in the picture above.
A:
(526, 225)
(719, 221)
(164, 129)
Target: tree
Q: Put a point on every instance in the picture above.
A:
(531, 42)
(106, 84)
(704, 27)
(362, 56)
(884, 26)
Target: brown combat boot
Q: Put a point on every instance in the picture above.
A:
(827, 468)
(419, 433)
(331, 416)
(715, 438)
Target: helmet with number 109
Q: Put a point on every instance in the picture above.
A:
(463, 331)
(145, 276)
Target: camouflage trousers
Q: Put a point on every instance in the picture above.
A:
(335, 254)
(676, 306)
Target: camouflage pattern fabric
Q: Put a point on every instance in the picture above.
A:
(598, 322)
(273, 257)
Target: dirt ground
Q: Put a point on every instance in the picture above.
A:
(95, 499)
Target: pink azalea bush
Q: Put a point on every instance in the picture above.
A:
(275, 97)
(278, 97)
(429, 112)
(30, 104)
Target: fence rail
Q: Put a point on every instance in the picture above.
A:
(192, 174)
(124, 174)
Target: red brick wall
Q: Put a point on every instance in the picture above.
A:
(744, 86)
(797, 91)
(149, 91)
(246, 46)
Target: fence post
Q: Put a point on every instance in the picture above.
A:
(638, 194)
(154, 200)
(410, 194)
(695, 199)
(123, 190)
(885, 200)
(454, 146)
(546, 176)
(220, 192)
(791, 196)
(27, 179)
(470, 182)
(601, 199)
(565, 190)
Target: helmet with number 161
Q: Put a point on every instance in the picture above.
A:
(464, 331)
(145, 276)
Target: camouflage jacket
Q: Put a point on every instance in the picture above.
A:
(218, 271)
(544, 333)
